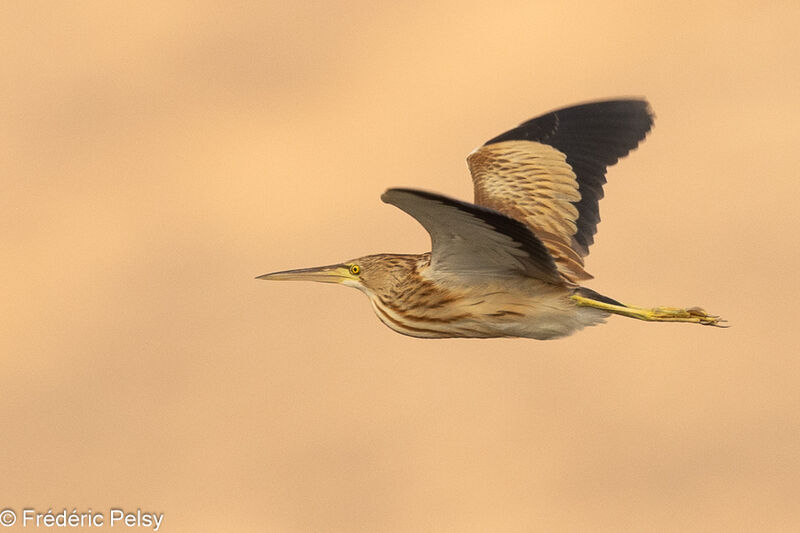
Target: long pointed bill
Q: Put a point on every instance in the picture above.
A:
(324, 274)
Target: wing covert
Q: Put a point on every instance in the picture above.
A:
(471, 240)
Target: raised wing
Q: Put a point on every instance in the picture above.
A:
(549, 172)
(469, 240)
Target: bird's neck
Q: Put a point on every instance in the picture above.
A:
(410, 289)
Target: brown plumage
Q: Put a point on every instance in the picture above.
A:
(510, 264)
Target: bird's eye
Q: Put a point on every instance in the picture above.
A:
(355, 270)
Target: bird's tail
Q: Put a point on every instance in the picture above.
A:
(588, 298)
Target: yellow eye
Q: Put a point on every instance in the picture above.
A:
(355, 270)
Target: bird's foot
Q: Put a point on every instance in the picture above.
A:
(676, 314)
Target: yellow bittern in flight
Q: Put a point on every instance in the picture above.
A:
(511, 264)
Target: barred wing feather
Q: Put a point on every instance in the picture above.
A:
(549, 172)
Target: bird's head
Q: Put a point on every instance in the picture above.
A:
(371, 274)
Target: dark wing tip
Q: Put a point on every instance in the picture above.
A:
(630, 117)
(386, 197)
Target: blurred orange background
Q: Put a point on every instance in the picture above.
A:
(156, 157)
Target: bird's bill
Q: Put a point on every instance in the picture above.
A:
(323, 274)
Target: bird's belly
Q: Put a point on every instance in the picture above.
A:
(541, 315)
(536, 321)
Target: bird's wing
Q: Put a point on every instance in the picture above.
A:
(549, 172)
(469, 240)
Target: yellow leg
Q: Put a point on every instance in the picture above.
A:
(656, 314)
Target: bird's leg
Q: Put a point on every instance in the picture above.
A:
(656, 314)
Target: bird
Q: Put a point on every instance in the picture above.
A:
(511, 264)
